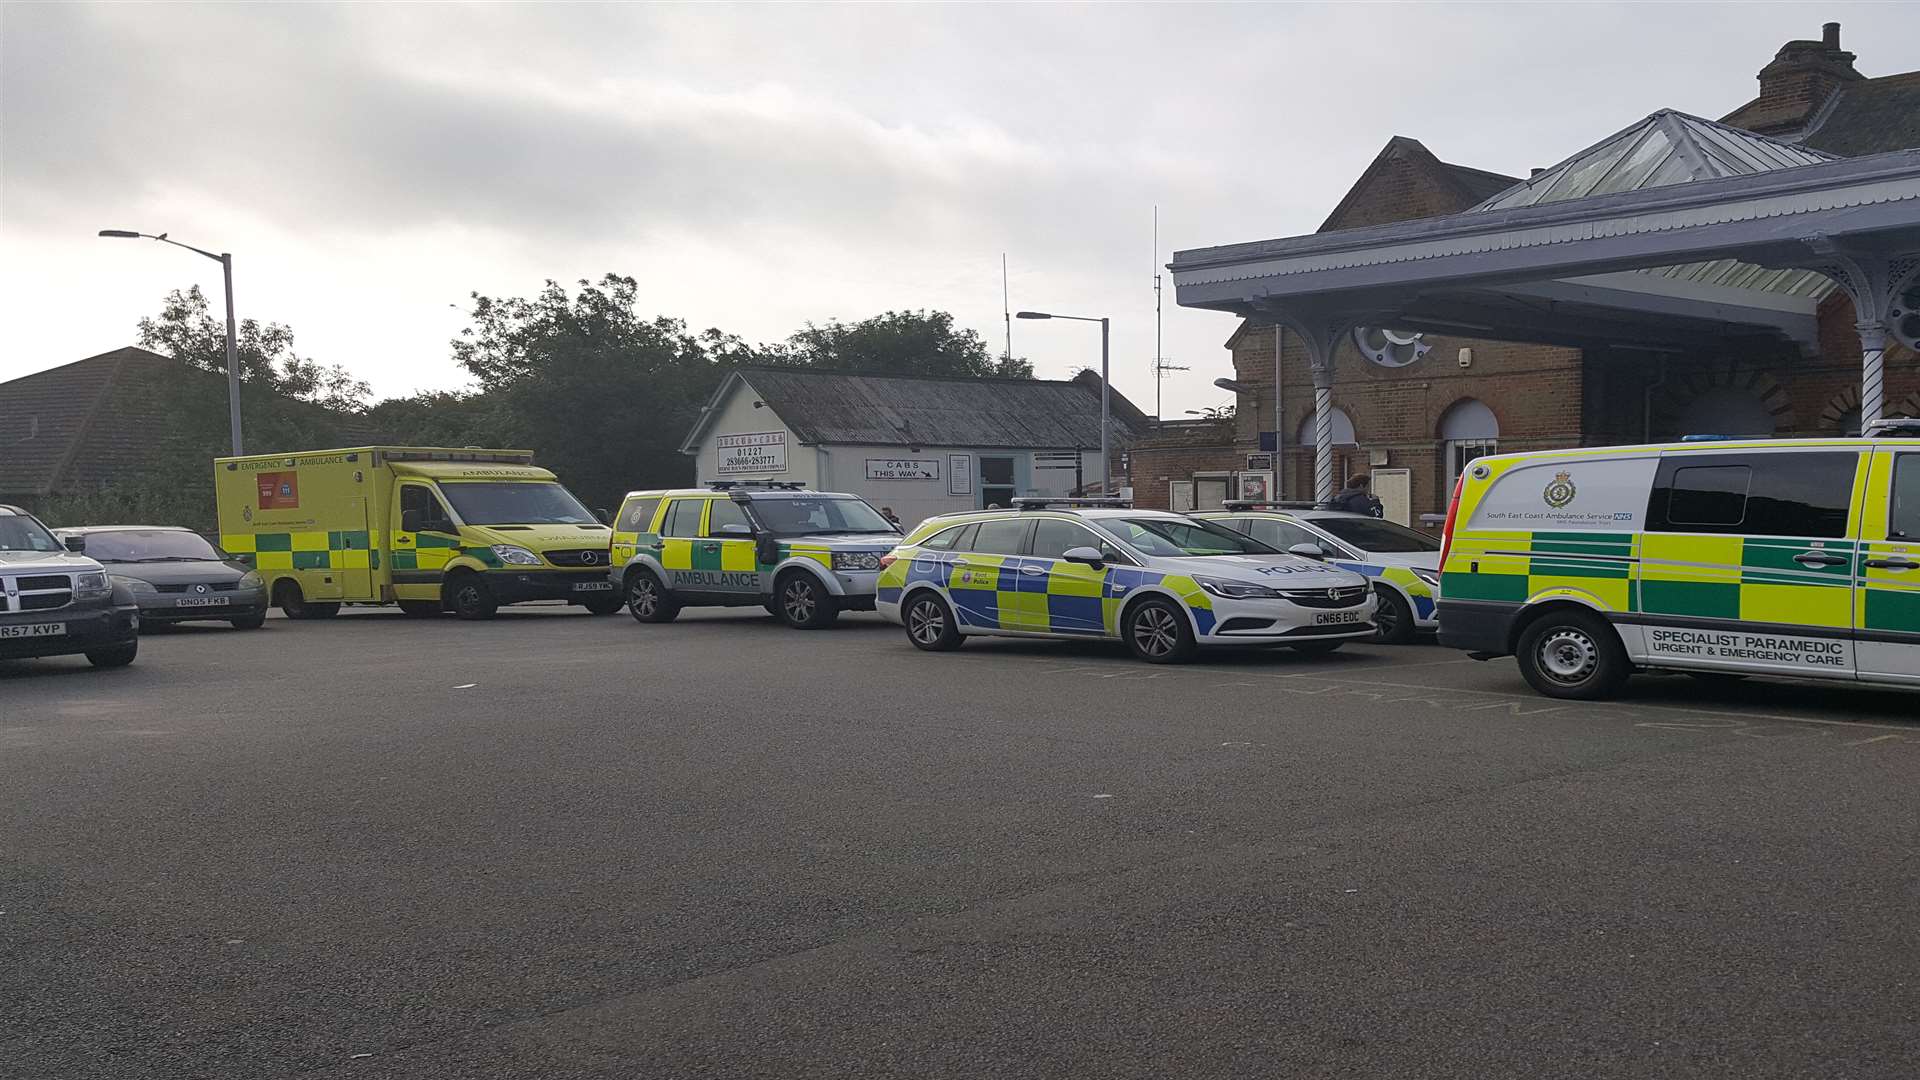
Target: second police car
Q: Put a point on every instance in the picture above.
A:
(804, 555)
(1163, 583)
(1404, 565)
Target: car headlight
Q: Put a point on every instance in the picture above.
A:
(131, 584)
(516, 555)
(250, 580)
(856, 560)
(1431, 577)
(1236, 590)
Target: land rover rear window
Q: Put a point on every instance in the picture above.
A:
(1782, 494)
(637, 516)
(683, 517)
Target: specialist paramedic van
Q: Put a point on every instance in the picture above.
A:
(1717, 558)
(427, 528)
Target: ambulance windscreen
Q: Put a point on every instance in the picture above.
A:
(518, 503)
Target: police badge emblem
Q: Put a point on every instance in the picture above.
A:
(1561, 491)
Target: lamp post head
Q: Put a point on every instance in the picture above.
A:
(121, 233)
(1031, 315)
(1233, 386)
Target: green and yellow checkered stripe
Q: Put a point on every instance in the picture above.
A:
(317, 550)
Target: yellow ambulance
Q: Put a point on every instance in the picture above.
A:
(1717, 558)
(427, 528)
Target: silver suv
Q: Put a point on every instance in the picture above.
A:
(55, 601)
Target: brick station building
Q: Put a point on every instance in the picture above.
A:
(1427, 403)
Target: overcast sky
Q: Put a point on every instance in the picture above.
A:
(758, 167)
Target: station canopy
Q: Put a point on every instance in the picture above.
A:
(1674, 234)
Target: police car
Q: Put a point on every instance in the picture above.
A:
(804, 555)
(1163, 583)
(1403, 565)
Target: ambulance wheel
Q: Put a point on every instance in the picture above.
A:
(1393, 619)
(1567, 653)
(249, 622)
(930, 623)
(805, 604)
(1157, 631)
(114, 656)
(648, 602)
(470, 598)
(421, 609)
(604, 605)
(296, 606)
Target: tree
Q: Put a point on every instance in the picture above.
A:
(604, 395)
(901, 343)
(187, 331)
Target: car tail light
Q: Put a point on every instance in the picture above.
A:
(1453, 512)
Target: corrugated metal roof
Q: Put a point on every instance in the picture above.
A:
(851, 408)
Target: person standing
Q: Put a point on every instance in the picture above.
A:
(1357, 498)
(892, 518)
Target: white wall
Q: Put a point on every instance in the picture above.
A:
(739, 417)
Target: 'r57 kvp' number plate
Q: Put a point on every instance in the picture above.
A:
(1334, 618)
(39, 629)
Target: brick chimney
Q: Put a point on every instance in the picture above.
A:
(1803, 75)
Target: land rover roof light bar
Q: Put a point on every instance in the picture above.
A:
(1048, 502)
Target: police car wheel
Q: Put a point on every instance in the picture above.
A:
(930, 623)
(470, 599)
(647, 601)
(804, 603)
(1393, 619)
(1157, 632)
(1572, 655)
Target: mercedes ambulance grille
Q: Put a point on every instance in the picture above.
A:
(38, 592)
(577, 557)
(1337, 597)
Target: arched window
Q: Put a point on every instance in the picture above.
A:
(1468, 430)
(1342, 430)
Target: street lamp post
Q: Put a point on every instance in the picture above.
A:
(233, 362)
(1106, 456)
(1236, 387)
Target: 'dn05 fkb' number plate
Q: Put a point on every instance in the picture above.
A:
(39, 629)
(203, 601)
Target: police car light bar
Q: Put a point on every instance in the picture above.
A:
(1253, 504)
(1042, 502)
(1896, 425)
(776, 485)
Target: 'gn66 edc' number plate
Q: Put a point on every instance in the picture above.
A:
(39, 629)
(1330, 618)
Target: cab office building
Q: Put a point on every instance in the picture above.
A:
(1752, 276)
(921, 445)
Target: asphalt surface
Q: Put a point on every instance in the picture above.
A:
(558, 846)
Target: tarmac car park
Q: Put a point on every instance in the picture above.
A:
(804, 555)
(1163, 583)
(176, 575)
(1404, 565)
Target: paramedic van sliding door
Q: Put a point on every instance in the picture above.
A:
(1748, 561)
(1889, 614)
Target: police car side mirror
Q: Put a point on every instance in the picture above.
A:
(1089, 556)
(1308, 551)
(76, 544)
(411, 521)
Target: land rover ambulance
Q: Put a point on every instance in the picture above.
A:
(1718, 558)
(429, 529)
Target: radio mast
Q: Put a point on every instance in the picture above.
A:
(1160, 365)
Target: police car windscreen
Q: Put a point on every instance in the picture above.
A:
(24, 534)
(516, 504)
(150, 545)
(1385, 536)
(1176, 538)
(804, 516)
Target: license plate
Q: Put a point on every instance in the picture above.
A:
(39, 629)
(593, 586)
(204, 601)
(1334, 618)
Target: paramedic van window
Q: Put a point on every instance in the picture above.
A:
(1780, 494)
